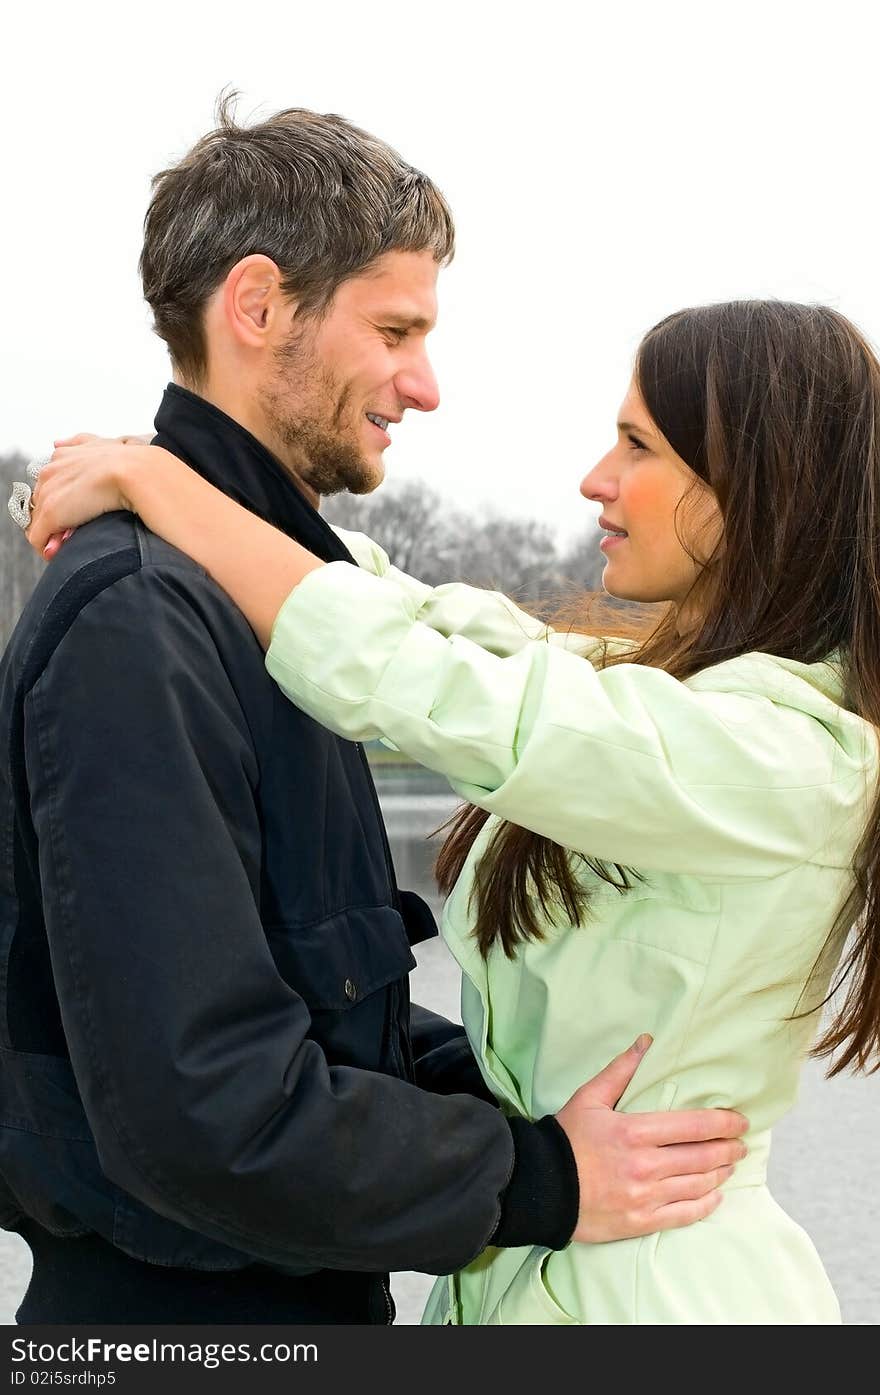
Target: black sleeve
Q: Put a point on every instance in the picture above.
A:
(543, 1193)
(206, 1098)
(443, 1057)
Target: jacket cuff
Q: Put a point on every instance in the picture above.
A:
(540, 1203)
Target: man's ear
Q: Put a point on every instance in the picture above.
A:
(253, 301)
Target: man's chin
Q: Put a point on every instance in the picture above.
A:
(343, 472)
(370, 477)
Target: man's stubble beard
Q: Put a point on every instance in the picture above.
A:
(308, 413)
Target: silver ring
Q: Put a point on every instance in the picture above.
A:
(33, 470)
(21, 505)
(21, 500)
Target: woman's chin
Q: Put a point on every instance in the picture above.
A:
(626, 589)
(613, 586)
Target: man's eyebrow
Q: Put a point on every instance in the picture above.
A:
(398, 320)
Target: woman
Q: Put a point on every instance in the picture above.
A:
(675, 833)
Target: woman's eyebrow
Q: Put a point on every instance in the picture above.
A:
(625, 426)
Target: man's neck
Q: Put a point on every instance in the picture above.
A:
(240, 407)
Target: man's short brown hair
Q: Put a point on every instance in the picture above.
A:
(320, 197)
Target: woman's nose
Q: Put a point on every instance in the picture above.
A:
(600, 483)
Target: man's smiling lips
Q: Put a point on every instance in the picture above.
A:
(381, 424)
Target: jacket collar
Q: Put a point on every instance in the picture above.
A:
(233, 460)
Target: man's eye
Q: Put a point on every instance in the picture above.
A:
(395, 333)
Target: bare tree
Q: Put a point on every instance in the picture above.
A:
(510, 555)
(435, 541)
(414, 525)
(582, 563)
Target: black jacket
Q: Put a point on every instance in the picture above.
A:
(206, 1053)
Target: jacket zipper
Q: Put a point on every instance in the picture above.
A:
(399, 1039)
(389, 1306)
(386, 847)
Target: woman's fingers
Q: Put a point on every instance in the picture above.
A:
(85, 437)
(38, 536)
(78, 483)
(56, 542)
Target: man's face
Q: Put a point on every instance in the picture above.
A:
(339, 381)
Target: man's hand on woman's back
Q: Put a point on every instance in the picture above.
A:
(640, 1173)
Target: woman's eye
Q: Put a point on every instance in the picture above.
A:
(636, 443)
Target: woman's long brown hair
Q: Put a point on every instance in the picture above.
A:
(776, 406)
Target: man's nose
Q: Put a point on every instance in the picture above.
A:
(417, 386)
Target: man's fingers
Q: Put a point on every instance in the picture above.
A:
(684, 1159)
(681, 1213)
(689, 1125)
(670, 1216)
(690, 1188)
(607, 1087)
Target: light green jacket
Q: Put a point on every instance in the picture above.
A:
(739, 795)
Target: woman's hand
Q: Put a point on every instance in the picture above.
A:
(256, 565)
(82, 479)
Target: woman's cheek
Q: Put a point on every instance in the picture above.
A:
(650, 496)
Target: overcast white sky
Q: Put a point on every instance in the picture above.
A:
(606, 164)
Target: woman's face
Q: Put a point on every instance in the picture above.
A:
(650, 541)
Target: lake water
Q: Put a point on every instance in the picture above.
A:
(825, 1153)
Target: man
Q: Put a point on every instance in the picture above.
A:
(218, 1105)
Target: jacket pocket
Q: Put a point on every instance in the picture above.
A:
(39, 1095)
(333, 964)
(418, 918)
(529, 1300)
(348, 970)
(49, 1171)
(47, 1157)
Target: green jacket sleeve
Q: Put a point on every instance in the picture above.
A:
(749, 769)
(487, 618)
